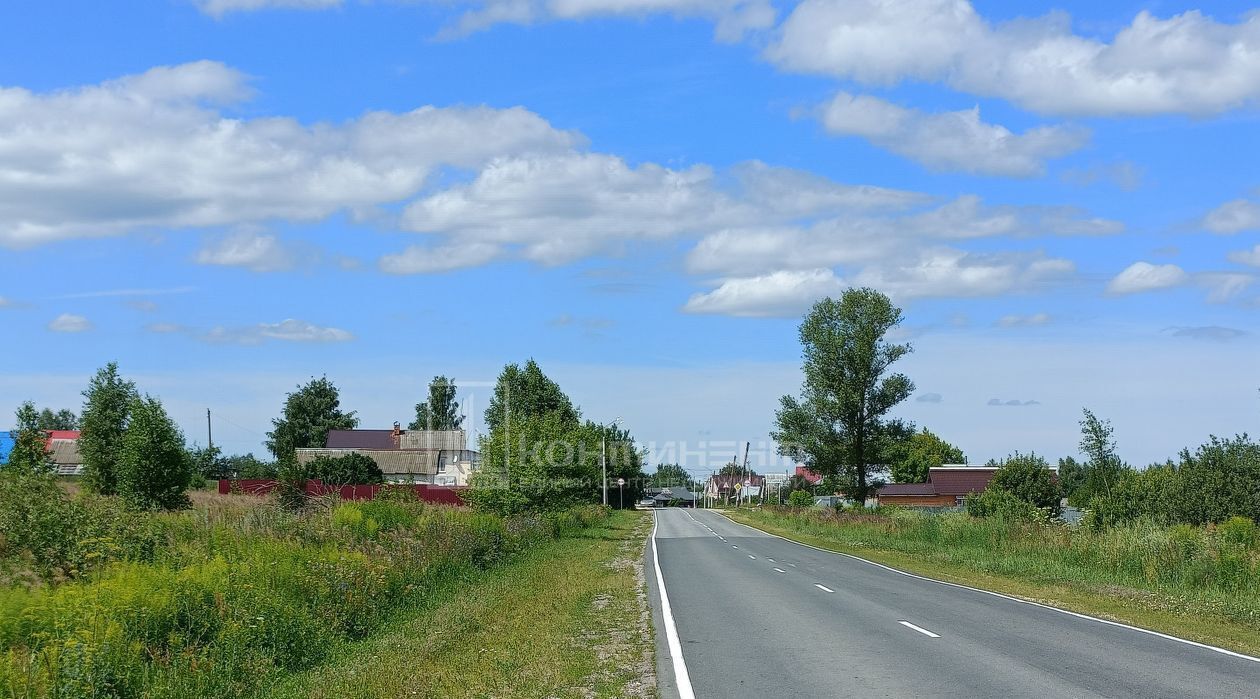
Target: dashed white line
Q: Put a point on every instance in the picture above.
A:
(770, 559)
(824, 588)
(752, 556)
(780, 570)
(920, 629)
(792, 564)
(734, 546)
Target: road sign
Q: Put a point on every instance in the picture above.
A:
(776, 478)
(738, 486)
(621, 482)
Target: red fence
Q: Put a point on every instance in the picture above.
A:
(446, 495)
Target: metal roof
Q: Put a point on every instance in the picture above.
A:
(960, 481)
(908, 489)
(360, 439)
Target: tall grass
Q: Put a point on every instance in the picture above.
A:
(1209, 570)
(219, 600)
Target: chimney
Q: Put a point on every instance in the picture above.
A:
(397, 433)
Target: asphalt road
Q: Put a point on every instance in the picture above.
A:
(759, 616)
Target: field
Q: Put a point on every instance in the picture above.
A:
(1201, 583)
(238, 597)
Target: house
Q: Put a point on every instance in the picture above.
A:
(723, 487)
(63, 447)
(664, 497)
(809, 476)
(947, 486)
(437, 457)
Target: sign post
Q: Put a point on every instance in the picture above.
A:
(620, 502)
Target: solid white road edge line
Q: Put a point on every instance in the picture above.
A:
(824, 588)
(671, 630)
(920, 629)
(1078, 615)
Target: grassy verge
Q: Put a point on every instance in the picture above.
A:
(1124, 575)
(568, 619)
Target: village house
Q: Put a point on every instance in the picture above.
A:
(436, 457)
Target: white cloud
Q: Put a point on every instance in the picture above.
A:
(1246, 257)
(1215, 333)
(150, 150)
(421, 259)
(110, 293)
(950, 273)
(784, 293)
(1144, 276)
(289, 330)
(1016, 321)
(258, 252)
(1187, 64)
(218, 8)
(69, 323)
(1224, 286)
(929, 398)
(1012, 403)
(1234, 216)
(950, 141)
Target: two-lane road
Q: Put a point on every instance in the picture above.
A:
(759, 616)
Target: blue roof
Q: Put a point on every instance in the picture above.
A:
(6, 446)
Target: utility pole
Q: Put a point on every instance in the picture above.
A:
(209, 433)
(747, 474)
(603, 456)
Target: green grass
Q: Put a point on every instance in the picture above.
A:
(1188, 582)
(569, 619)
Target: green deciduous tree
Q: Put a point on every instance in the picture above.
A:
(911, 458)
(30, 449)
(1071, 477)
(60, 420)
(1029, 478)
(525, 392)
(671, 475)
(154, 469)
(440, 411)
(309, 413)
(838, 426)
(106, 409)
(800, 498)
(1103, 467)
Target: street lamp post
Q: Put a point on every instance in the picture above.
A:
(603, 456)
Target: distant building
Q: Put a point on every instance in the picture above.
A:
(723, 487)
(62, 446)
(437, 457)
(809, 476)
(947, 486)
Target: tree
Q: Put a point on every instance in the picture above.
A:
(1029, 478)
(1071, 477)
(838, 425)
(1103, 467)
(60, 420)
(800, 498)
(309, 413)
(440, 412)
(208, 461)
(106, 409)
(923, 450)
(248, 466)
(672, 475)
(154, 469)
(30, 449)
(527, 392)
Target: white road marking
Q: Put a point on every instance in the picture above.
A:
(920, 629)
(1078, 615)
(792, 564)
(752, 556)
(770, 559)
(780, 570)
(824, 588)
(734, 546)
(671, 630)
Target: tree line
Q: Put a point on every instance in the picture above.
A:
(839, 426)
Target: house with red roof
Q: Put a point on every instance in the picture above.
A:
(947, 486)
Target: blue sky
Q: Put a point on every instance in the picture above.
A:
(230, 196)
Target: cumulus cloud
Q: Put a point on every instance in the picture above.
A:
(1144, 276)
(218, 8)
(1018, 321)
(950, 141)
(929, 398)
(1012, 403)
(1234, 216)
(69, 323)
(259, 252)
(1246, 257)
(1185, 64)
(154, 150)
(783, 293)
(428, 259)
(1214, 333)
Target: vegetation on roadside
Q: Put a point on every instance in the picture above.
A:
(220, 599)
(567, 619)
(1197, 582)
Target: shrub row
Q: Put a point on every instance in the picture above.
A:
(220, 599)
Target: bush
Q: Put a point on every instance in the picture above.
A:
(352, 469)
(800, 498)
(1004, 505)
(1239, 530)
(1029, 478)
